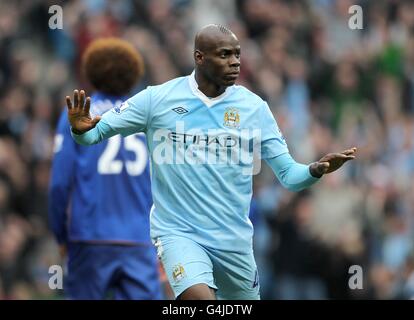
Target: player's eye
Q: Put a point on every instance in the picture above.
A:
(225, 54)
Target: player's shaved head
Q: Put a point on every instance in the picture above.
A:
(217, 59)
(211, 36)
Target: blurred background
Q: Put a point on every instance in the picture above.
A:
(329, 87)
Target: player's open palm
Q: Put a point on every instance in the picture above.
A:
(78, 112)
(333, 161)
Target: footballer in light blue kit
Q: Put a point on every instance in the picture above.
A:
(206, 136)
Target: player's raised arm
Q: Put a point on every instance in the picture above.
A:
(132, 116)
(78, 113)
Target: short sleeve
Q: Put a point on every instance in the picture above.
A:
(131, 116)
(273, 143)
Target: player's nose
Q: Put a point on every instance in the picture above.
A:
(234, 61)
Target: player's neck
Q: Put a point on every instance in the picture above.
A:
(207, 87)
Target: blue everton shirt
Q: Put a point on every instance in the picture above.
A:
(100, 193)
(203, 154)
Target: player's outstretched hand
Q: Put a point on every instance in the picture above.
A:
(78, 113)
(331, 162)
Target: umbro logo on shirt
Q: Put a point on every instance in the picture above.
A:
(180, 110)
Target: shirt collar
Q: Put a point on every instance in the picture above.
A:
(209, 102)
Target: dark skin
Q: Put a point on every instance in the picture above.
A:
(217, 60)
(217, 66)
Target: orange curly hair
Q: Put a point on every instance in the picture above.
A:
(112, 66)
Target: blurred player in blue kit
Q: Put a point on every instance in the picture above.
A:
(100, 196)
(202, 133)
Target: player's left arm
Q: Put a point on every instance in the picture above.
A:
(296, 176)
(131, 117)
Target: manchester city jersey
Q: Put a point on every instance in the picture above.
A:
(204, 152)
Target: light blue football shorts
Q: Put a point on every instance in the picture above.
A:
(233, 276)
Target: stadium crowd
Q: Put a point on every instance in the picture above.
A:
(330, 88)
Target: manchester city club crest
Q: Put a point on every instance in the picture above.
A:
(231, 118)
(178, 272)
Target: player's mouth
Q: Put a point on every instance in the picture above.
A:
(232, 75)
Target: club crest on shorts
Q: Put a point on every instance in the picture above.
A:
(178, 272)
(120, 108)
(231, 118)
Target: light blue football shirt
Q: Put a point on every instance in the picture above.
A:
(202, 151)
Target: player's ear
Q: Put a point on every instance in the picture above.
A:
(198, 57)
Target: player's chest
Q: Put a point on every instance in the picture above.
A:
(192, 132)
(196, 115)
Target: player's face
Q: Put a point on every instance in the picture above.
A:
(222, 62)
